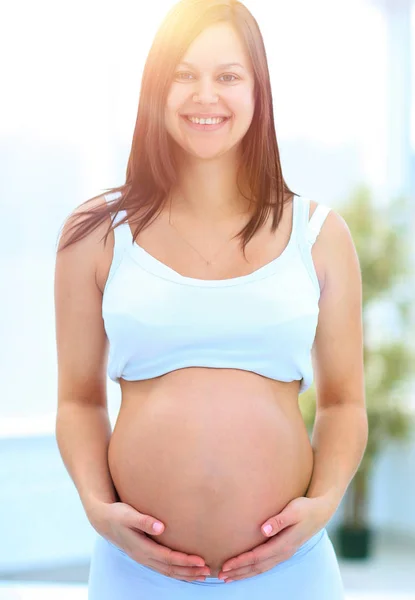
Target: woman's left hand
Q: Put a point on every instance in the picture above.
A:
(291, 528)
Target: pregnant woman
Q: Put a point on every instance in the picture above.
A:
(212, 294)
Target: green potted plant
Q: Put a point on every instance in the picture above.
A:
(381, 238)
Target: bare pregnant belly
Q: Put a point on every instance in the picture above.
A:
(212, 453)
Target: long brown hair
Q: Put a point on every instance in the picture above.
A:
(151, 168)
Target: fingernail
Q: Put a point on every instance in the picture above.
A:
(157, 527)
(267, 529)
(226, 569)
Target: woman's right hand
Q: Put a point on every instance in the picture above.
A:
(126, 528)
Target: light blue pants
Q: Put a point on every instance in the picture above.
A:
(312, 573)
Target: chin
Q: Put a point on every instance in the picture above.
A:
(207, 155)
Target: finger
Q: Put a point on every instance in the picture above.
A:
(243, 560)
(177, 572)
(162, 555)
(248, 571)
(190, 571)
(258, 554)
(146, 523)
(262, 567)
(172, 563)
(286, 518)
(279, 546)
(136, 520)
(252, 570)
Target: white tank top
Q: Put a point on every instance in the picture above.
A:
(158, 320)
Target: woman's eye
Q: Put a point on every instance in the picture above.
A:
(178, 75)
(230, 75)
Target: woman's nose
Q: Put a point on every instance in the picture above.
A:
(206, 92)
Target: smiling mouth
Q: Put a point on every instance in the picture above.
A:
(211, 127)
(206, 120)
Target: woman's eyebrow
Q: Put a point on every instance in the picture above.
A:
(222, 66)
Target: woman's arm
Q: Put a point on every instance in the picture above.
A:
(82, 425)
(341, 428)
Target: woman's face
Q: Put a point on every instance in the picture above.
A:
(209, 82)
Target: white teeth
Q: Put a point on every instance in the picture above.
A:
(209, 121)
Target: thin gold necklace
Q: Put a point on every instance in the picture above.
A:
(208, 262)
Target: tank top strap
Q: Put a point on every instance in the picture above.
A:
(310, 228)
(316, 222)
(300, 218)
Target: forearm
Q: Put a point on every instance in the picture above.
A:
(83, 433)
(339, 441)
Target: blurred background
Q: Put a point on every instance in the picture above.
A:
(342, 75)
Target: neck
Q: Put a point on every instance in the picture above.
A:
(207, 191)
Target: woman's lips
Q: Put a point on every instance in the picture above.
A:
(199, 127)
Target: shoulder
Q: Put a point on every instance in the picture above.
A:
(78, 216)
(80, 211)
(335, 231)
(335, 247)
